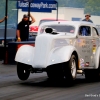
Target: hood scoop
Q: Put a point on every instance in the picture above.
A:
(51, 31)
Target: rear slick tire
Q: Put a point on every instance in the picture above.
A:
(70, 70)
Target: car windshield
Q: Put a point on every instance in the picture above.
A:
(63, 28)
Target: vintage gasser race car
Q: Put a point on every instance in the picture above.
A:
(62, 49)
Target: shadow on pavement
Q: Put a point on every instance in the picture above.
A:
(58, 83)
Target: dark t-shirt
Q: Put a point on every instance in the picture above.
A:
(23, 26)
(88, 20)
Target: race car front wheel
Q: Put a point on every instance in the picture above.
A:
(23, 71)
(70, 68)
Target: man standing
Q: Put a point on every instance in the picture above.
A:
(3, 19)
(23, 28)
(87, 18)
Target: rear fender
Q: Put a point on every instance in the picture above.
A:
(25, 54)
(97, 58)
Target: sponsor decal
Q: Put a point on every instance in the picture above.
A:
(86, 64)
(71, 42)
(94, 49)
(82, 65)
(81, 62)
(78, 40)
(71, 31)
(91, 57)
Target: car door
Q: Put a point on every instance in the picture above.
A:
(84, 46)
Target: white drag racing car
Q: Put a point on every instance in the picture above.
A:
(62, 49)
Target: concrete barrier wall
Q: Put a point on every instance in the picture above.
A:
(10, 33)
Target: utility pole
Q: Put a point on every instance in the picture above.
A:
(57, 10)
(5, 33)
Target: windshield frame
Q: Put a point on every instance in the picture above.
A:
(59, 25)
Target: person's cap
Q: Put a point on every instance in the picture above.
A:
(25, 16)
(87, 15)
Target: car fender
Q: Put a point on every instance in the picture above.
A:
(25, 54)
(60, 54)
(97, 58)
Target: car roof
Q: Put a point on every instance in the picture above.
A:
(75, 23)
(53, 19)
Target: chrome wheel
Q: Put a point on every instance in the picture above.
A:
(70, 69)
(73, 68)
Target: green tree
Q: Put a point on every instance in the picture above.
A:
(72, 3)
(62, 3)
(77, 3)
(2, 10)
(93, 7)
(12, 14)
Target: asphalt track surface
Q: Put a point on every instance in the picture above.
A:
(39, 87)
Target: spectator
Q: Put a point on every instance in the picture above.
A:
(23, 28)
(3, 19)
(87, 18)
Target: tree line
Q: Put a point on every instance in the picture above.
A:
(90, 6)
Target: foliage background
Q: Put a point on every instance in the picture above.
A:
(12, 14)
(91, 6)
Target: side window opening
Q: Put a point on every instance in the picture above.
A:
(85, 31)
(95, 32)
